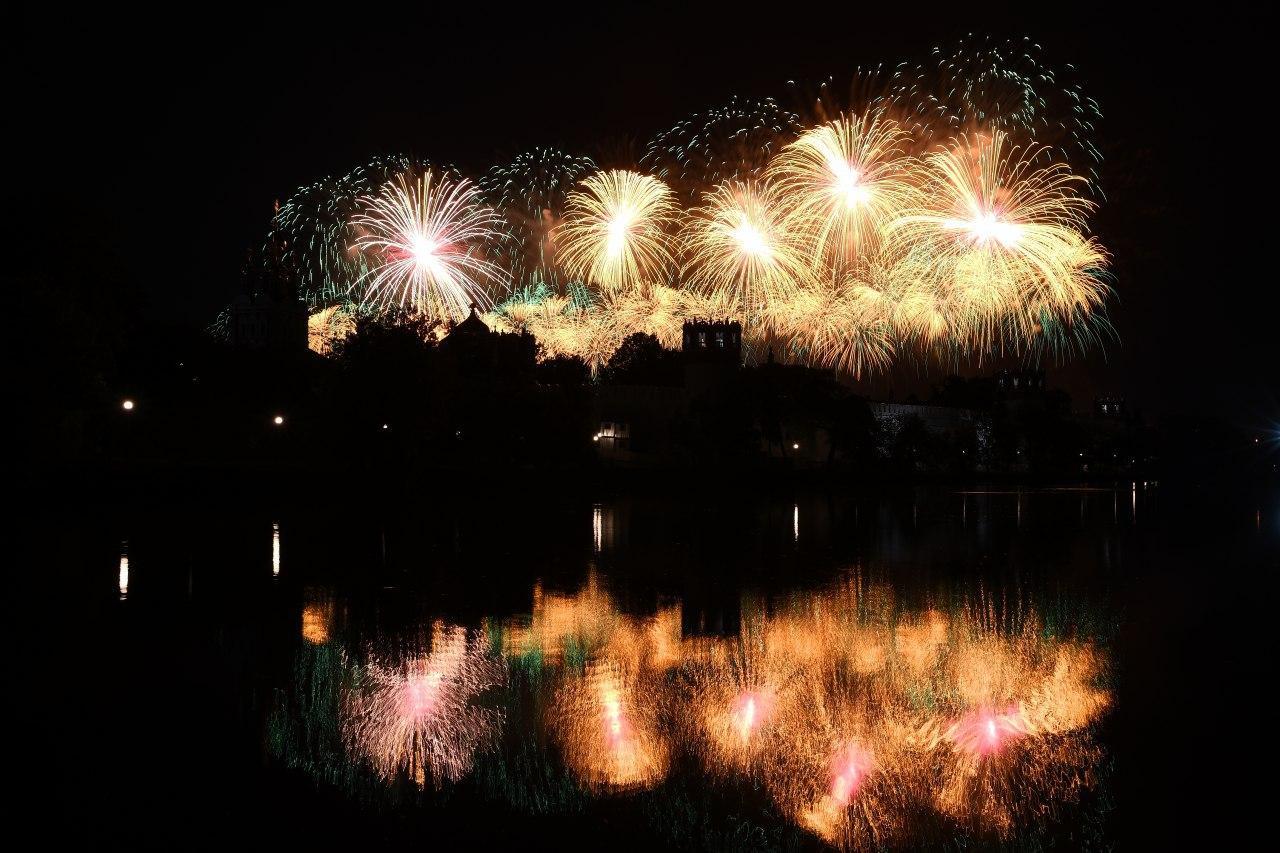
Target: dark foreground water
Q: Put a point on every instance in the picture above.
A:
(939, 668)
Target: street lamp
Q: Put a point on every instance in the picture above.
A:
(278, 420)
(127, 405)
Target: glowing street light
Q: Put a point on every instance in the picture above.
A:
(278, 420)
(127, 405)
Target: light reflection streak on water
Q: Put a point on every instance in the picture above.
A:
(853, 711)
(597, 528)
(122, 581)
(275, 549)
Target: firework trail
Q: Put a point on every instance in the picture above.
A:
(982, 84)
(530, 194)
(730, 142)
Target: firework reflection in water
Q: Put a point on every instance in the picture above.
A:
(419, 714)
(608, 725)
(865, 721)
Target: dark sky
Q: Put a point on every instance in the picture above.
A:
(165, 140)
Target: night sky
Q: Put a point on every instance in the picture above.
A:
(160, 145)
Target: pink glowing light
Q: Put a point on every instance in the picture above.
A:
(750, 711)
(987, 731)
(850, 769)
(616, 727)
(421, 695)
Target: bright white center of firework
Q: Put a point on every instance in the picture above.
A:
(423, 249)
(848, 185)
(749, 238)
(984, 227)
(619, 226)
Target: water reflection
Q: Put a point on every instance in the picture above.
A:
(597, 528)
(608, 722)
(123, 577)
(318, 612)
(863, 718)
(275, 549)
(414, 712)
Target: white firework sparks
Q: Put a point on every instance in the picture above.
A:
(428, 236)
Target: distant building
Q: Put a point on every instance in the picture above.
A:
(967, 429)
(268, 313)
(474, 346)
(1027, 381)
(795, 425)
(1109, 406)
(257, 321)
(712, 351)
(936, 419)
(638, 423)
(715, 341)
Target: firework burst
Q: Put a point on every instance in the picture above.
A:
(428, 236)
(842, 183)
(845, 326)
(1001, 240)
(312, 229)
(616, 227)
(738, 252)
(327, 326)
(658, 310)
(929, 215)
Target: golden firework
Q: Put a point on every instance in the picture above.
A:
(328, 326)
(844, 326)
(842, 183)
(607, 724)
(616, 230)
(738, 252)
(1001, 241)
